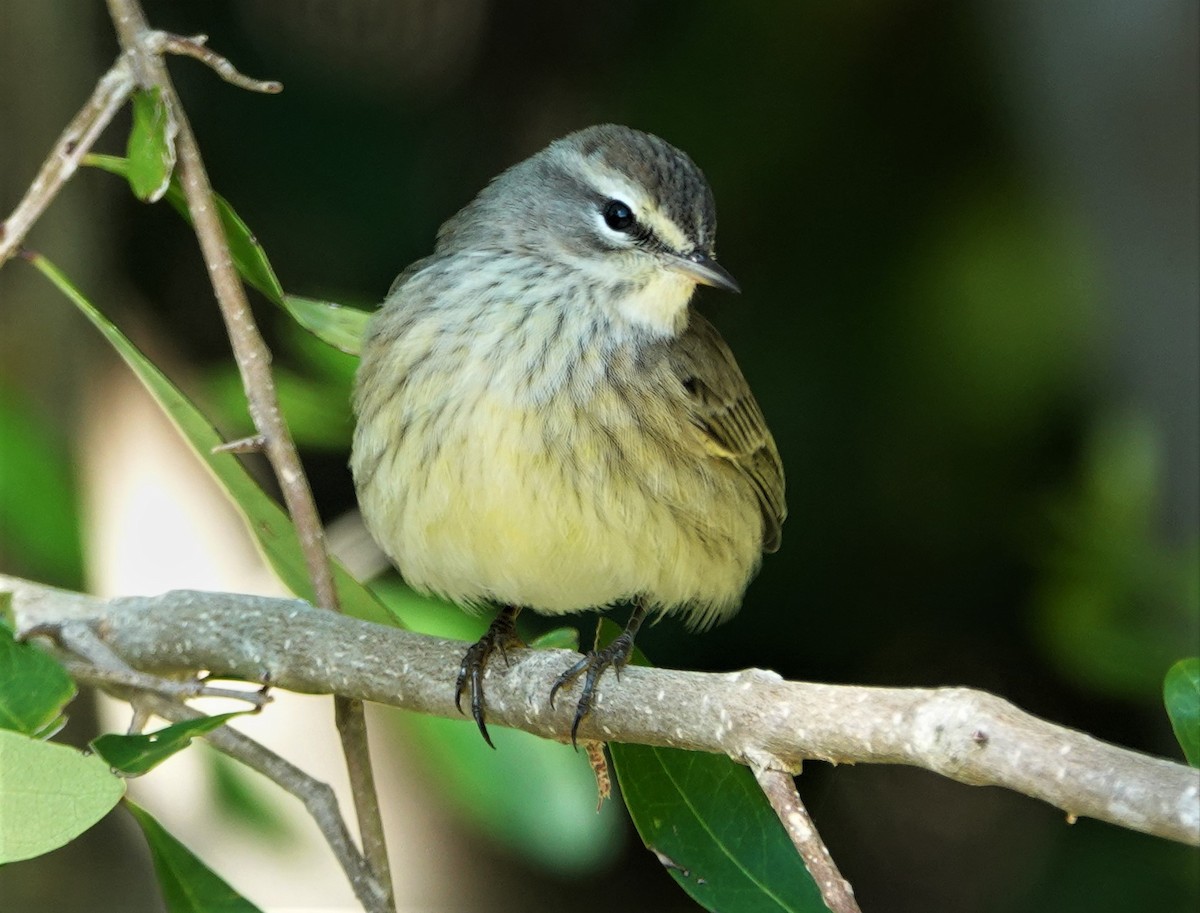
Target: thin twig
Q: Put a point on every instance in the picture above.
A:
(111, 92)
(780, 790)
(319, 801)
(318, 797)
(256, 443)
(250, 351)
(969, 736)
(93, 662)
(254, 363)
(79, 639)
(351, 720)
(196, 47)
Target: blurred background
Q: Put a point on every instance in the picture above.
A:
(967, 235)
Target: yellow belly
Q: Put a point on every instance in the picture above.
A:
(556, 509)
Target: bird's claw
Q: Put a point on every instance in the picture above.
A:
(500, 635)
(616, 654)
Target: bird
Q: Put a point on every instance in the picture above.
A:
(545, 422)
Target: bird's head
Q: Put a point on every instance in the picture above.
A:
(619, 219)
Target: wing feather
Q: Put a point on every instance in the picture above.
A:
(732, 424)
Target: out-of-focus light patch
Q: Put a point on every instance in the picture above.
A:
(155, 521)
(154, 518)
(284, 874)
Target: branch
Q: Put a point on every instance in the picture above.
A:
(318, 798)
(102, 668)
(111, 92)
(966, 735)
(197, 47)
(145, 48)
(780, 789)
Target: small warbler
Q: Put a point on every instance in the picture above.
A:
(545, 423)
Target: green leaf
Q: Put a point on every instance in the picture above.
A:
(151, 147)
(535, 797)
(341, 327)
(34, 688)
(557, 639)
(188, 885)
(710, 825)
(1181, 695)
(243, 796)
(134, 755)
(1115, 601)
(313, 407)
(248, 256)
(313, 399)
(320, 360)
(426, 614)
(270, 526)
(39, 508)
(49, 795)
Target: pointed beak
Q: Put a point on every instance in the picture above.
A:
(703, 269)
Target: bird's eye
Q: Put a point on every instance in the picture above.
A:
(618, 216)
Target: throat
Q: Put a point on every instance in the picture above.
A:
(659, 307)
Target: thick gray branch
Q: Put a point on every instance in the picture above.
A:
(967, 735)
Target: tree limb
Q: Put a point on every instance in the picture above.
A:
(966, 735)
(145, 48)
(98, 665)
(318, 798)
(780, 789)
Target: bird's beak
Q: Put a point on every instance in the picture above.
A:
(700, 267)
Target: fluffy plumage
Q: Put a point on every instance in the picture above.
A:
(544, 422)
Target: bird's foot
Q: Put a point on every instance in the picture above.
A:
(501, 634)
(616, 654)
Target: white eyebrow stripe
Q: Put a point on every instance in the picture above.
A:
(615, 186)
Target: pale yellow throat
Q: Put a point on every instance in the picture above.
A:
(661, 305)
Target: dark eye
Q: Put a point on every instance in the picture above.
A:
(618, 216)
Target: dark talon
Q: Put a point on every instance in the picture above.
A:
(616, 654)
(571, 674)
(501, 634)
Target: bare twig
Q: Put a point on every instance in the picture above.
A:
(969, 736)
(111, 92)
(254, 363)
(351, 720)
(250, 351)
(256, 443)
(103, 667)
(780, 790)
(318, 798)
(92, 661)
(196, 46)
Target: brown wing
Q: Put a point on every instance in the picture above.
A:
(734, 427)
